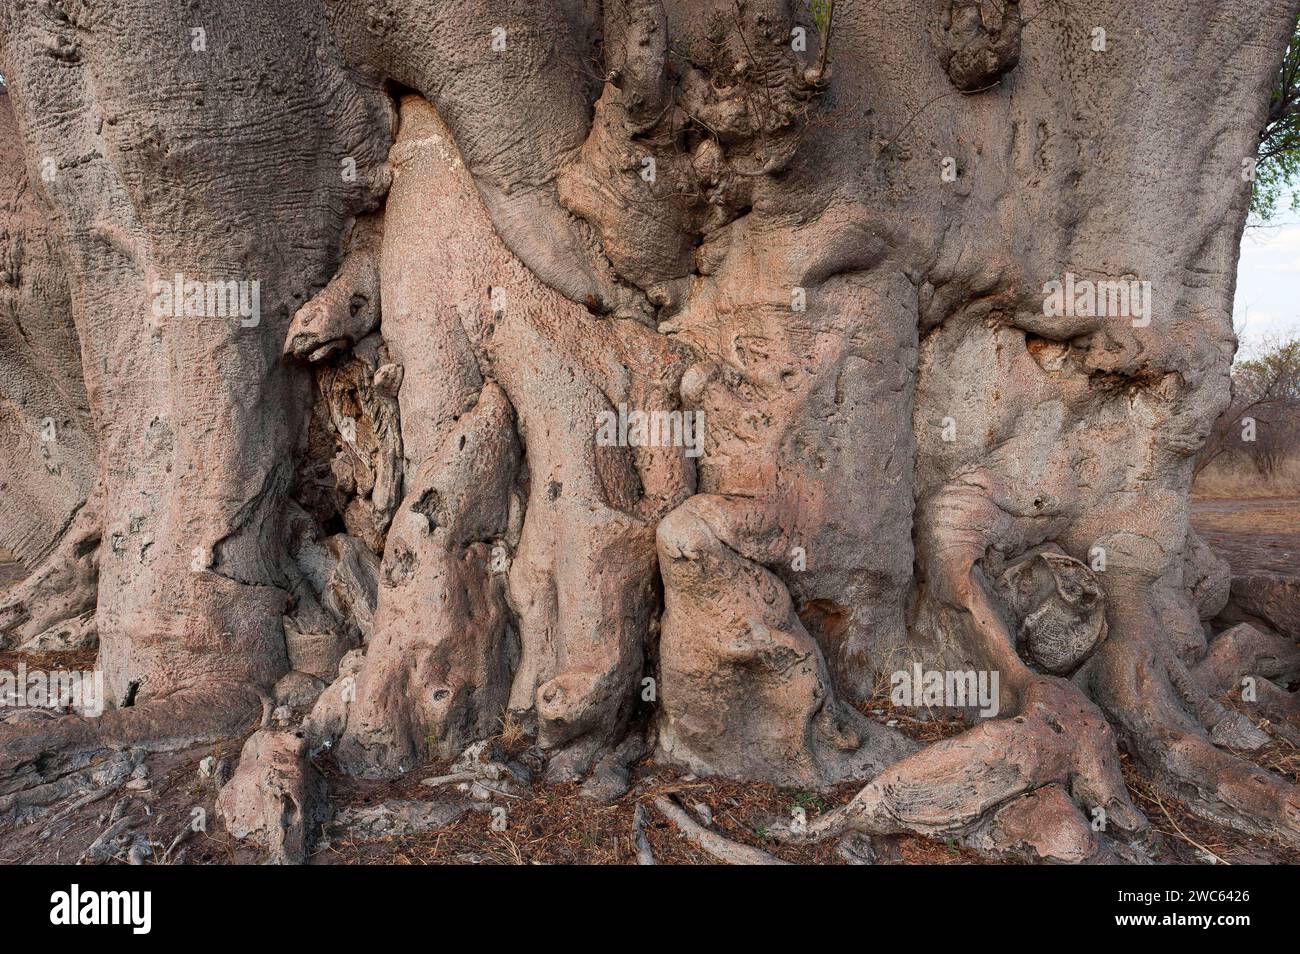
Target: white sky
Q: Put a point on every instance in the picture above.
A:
(1268, 281)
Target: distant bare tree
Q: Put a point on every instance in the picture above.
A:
(1262, 424)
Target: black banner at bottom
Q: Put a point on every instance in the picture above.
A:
(335, 904)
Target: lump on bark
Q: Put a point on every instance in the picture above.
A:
(674, 148)
(348, 308)
(1057, 607)
(979, 41)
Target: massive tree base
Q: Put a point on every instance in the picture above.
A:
(649, 383)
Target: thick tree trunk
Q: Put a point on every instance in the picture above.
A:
(826, 260)
(214, 160)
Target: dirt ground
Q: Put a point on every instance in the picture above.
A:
(555, 825)
(1253, 535)
(544, 824)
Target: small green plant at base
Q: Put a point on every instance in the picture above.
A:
(809, 801)
(821, 14)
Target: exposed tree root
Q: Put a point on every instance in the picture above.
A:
(644, 855)
(46, 761)
(1008, 787)
(725, 850)
(1130, 683)
(1245, 650)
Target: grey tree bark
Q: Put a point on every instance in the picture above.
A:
(479, 227)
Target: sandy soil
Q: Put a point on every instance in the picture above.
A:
(1253, 535)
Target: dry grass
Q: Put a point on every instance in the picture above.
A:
(1281, 757)
(80, 661)
(512, 735)
(1185, 838)
(1240, 479)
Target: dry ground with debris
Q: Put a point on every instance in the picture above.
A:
(1255, 535)
(555, 824)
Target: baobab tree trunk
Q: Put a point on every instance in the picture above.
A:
(47, 475)
(195, 145)
(684, 368)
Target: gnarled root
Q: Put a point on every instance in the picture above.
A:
(1002, 786)
(42, 762)
(1253, 666)
(1245, 650)
(725, 850)
(1131, 683)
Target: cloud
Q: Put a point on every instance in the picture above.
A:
(1268, 285)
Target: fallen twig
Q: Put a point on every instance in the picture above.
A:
(644, 856)
(1182, 834)
(449, 779)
